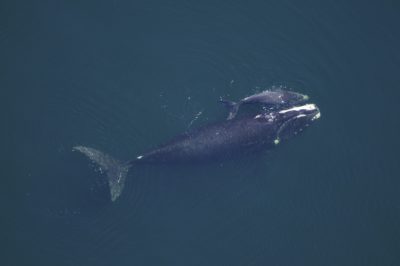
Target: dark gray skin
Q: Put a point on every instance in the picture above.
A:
(213, 141)
(268, 98)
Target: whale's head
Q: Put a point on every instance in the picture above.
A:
(291, 121)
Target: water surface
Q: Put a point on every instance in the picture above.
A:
(123, 76)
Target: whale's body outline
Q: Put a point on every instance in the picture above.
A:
(218, 140)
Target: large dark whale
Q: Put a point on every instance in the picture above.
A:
(219, 140)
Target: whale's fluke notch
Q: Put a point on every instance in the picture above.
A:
(115, 170)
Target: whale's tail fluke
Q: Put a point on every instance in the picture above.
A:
(232, 106)
(115, 170)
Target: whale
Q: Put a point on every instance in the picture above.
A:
(272, 98)
(220, 140)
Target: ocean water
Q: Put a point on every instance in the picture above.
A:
(123, 76)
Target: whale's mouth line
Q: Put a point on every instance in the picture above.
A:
(282, 127)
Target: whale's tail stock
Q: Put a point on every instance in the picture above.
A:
(115, 170)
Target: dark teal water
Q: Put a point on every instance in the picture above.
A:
(122, 76)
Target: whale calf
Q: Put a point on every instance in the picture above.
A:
(219, 140)
(268, 97)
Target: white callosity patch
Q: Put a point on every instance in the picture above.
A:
(306, 107)
(318, 115)
(270, 117)
(139, 157)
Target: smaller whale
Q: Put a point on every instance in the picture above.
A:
(268, 97)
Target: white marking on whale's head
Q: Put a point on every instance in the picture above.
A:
(269, 116)
(139, 157)
(318, 115)
(295, 119)
(306, 107)
(310, 110)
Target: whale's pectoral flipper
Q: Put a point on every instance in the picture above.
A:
(232, 106)
(115, 170)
